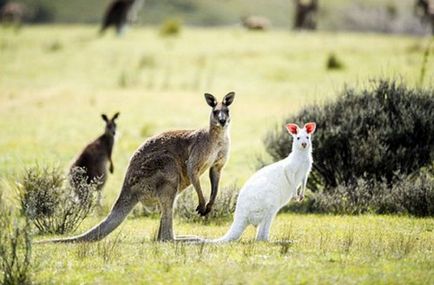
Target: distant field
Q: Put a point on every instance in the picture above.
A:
(55, 81)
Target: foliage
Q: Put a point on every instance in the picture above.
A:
(371, 134)
(223, 207)
(369, 147)
(52, 204)
(170, 27)
(333, 62)
(15, 248)
(407, 195)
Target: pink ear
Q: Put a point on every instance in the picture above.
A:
(292, 128)
(310, 128)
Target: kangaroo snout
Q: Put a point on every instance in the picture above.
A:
(222, 122)
(304, 145)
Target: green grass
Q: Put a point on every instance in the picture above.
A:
(325, 250)
(56, 80)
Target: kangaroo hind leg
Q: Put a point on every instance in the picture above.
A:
(165, 231)
(263, 232)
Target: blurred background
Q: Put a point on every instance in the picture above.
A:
(385, 16)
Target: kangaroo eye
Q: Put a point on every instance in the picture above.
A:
(298, 138)
(307, 137)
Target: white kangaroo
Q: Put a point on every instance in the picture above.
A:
(271, 188)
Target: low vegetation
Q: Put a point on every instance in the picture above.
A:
(369, 150)
(334, 63)
(222, 210)
(170, 28)
(15, 247)
(311, 249)
(53, 203)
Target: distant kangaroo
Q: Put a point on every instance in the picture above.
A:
(97, 154)
(166, 164)
(117, 15)
(271, 188)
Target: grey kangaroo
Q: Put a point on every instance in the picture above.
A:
(166, 164)
(95, 156)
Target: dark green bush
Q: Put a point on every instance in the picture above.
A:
(15, 248)
(407, 195)
(54, 203)
(333, 62)
(374, 134)
(369, 151)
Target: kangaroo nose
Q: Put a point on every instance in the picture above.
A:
(304, 145)
(222, 122)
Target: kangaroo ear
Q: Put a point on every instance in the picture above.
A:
(292, 129)
(115, 116)
(104, 117)
(211, 100)
(229, 98)
(310, 127)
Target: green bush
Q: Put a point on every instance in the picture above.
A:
(15, 248)
(54, 203)
(170, 27)
(407, 195)
(333, 62)
(368, 147)
(377, 133)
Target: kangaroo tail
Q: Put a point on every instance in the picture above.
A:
(122, 207)
(234, 233)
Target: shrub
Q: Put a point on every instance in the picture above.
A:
(223, 208)
(407, 195)
(51, 203)
(15, 248)
(170, 27)
(374, 134)
(333, 62)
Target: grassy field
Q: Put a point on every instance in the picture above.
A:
(56, 80)
(325, 250)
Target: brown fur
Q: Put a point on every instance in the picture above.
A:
(305, 12)
(12, 13)
(165, 165)
(117, 15)
(96, 155)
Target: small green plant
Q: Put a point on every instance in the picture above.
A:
(53, 203)
(15, 248)
(221, 211)
(333, 62)
(54, 46)
(170, 28)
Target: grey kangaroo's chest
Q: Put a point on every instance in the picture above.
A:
(214, 154)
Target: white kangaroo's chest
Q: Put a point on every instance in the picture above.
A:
(271, 188)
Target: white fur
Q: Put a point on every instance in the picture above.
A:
(269, 189)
